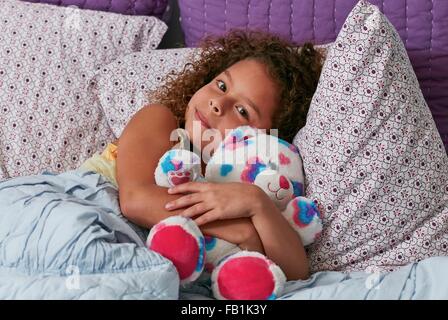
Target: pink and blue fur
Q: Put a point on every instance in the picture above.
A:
(241, 157)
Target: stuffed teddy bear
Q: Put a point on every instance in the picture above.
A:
(245, 155)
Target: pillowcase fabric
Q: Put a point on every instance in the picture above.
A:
(122, 87)
(372, 155)
(48, 54)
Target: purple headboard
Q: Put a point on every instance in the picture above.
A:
(422, 25)
(131, 7)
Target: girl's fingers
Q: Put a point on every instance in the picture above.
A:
(206, 218)
(196, 210)
(184, 201)
(192, 186)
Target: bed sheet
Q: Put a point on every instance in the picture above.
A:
(424, 280)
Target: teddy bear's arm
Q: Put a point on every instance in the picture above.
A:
(304, 216)
(178, 166)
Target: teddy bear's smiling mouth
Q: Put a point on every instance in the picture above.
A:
(275, 191)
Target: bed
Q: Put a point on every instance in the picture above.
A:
(374, 147)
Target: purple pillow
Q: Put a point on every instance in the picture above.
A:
(420, 24)
(130, 7)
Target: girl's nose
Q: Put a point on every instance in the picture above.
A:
(215, 107)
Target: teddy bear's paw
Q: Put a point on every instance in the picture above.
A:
(216, 249)
(247, 276)
(179, 240)
(302, 213)
(177, 166)
(178, 177)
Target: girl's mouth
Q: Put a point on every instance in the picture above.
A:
(201, 118)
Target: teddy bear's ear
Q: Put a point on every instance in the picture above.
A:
(239, 134)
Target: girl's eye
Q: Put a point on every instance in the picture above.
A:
(242, 111)
(221, 85)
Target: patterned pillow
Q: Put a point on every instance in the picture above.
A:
(48, 120)
(373, 157)
(122, 86)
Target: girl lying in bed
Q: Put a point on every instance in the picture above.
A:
(244, 78)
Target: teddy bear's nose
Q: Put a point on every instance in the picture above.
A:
(284, 184)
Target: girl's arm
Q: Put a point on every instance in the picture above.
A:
(209, 201)
(281, 242)
(143, 141)
(148, 208)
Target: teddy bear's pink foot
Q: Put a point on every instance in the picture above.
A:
(247, 276)
(179, 240)
(178, 177)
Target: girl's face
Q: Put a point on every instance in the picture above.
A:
(243, 94)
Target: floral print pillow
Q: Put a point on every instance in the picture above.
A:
(122, 87)
(49, 120)
(372, 155)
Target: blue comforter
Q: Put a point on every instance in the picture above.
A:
(63, 237)
(427, 279)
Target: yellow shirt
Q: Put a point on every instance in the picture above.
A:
(106, 164)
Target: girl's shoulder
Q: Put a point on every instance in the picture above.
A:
(152, 119)
(155, 115)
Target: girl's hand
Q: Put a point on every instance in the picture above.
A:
(216, 201)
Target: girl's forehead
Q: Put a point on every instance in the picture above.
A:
(249, 63)
(249, 70)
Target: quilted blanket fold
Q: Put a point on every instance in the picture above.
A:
(64, 237)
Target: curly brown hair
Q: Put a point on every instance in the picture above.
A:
(296, 70)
